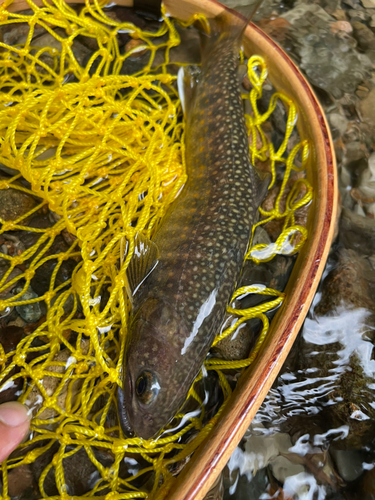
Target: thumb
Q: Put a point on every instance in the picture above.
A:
(14, 424)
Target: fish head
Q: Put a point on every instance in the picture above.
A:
(151, 393)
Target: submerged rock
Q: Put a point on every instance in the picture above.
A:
(367, 108)
(32, 312)
(59, 365)
(15, 204)
(329, 60)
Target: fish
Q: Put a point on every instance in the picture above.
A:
(182, 280)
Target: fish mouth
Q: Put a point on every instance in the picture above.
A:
(123, 414)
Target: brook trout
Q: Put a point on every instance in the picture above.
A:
(200, 247)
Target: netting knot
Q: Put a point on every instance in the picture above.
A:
(112, 375)
(19, 358)
(100, 432)
(8, 226)
(29, 273)
(3, 14)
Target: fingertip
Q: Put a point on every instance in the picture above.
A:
(14, 426)
(14, 414)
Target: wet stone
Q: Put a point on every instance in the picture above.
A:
(338, 123)
(42, 279)
(348, 463)
(17, 33)
(237, 345)
(15, 204)
(79, 50)
(367, 108)
(329, 60)
(364, 36)
(341, 26)
(357, 15)
(21, 481)
(31, 313)
(278, 29)
(51, 383)
(79, 472)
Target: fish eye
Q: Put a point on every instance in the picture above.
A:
(146, 387)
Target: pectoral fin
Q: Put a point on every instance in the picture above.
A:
(187, 79)
(143, 261)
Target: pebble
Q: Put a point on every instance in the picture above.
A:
(15, 204)
(341, 26)
(340, 15)
(80, 473)
(238, 344)
(367, 108)
(338, 123)
(364, 36)
(51, 383)
(278, 29)
(17, 33)
(348, 463)
(31, 313)
(21, 481)
(79, 50)
(358, 15)
(41, 281)
(137, 46)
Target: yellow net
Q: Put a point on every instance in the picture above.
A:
(102, 156)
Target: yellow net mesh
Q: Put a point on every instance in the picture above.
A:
(103, 152)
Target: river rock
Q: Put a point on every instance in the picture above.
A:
(15, 204)
(329, 61)
(41, 281)
(51, 383)
(79, 50)
(80, 473)
(17, 33)
(21, 482)
(348, 463)
(32, 312)
(364, 36)
(338, 123)
(367, 108)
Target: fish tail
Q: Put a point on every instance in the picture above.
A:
(228, 24)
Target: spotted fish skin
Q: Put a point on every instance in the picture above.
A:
(202, 243)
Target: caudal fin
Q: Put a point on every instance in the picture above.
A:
(229, 23)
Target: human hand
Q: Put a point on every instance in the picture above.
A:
(14, 424)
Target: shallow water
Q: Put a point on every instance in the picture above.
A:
(314, 436)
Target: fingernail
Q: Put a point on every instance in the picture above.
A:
(14, 414)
